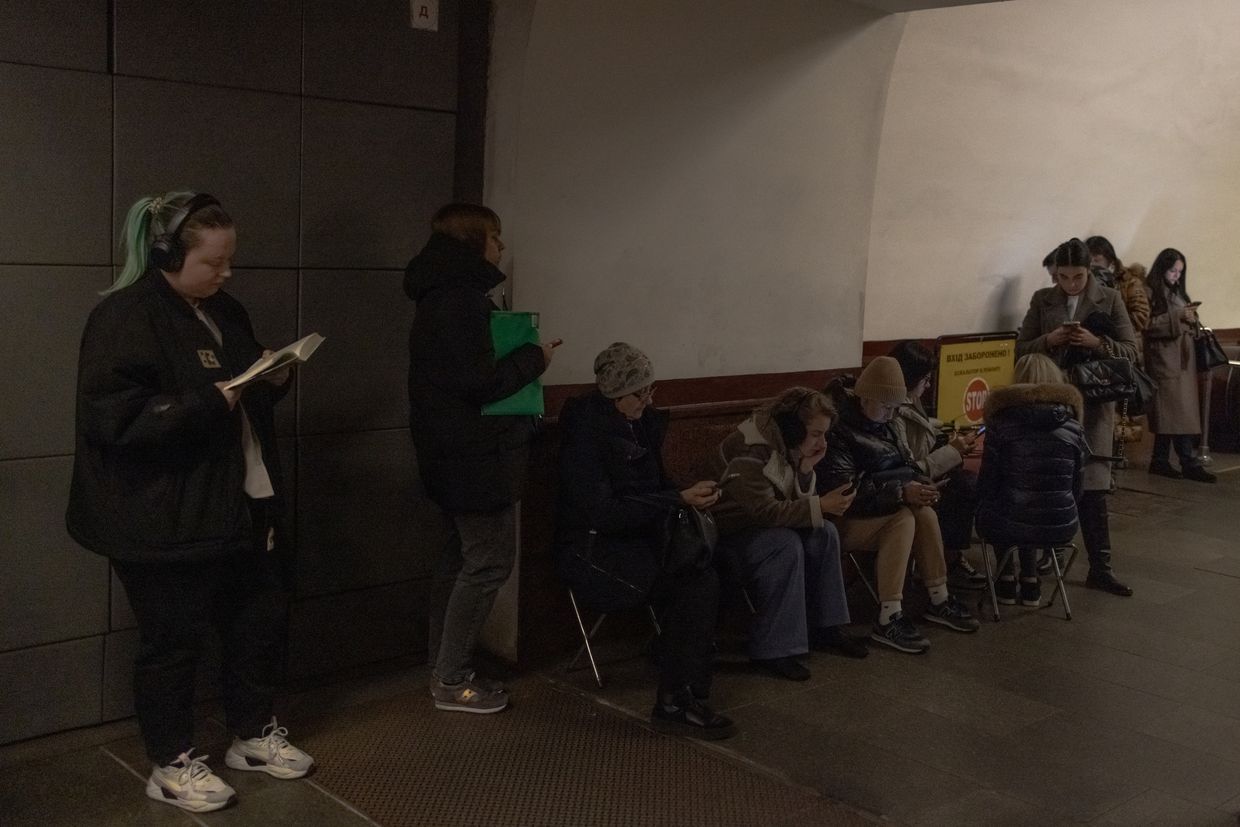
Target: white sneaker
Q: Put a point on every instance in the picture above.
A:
(188, 783)
(272, 754)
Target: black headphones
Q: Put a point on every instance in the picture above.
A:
(167, 251)
(788, 419)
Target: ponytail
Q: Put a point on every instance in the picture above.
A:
(136, 237)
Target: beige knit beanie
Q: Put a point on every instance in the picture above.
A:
(882, 381)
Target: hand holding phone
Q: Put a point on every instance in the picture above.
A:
(852, 489)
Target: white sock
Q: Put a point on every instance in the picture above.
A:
(886, 610)
(938, 594)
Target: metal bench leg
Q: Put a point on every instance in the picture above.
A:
(585, 639)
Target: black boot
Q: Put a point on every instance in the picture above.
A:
(679, 713)
(1102, 578)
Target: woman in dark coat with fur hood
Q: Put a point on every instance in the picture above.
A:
(1031, 470)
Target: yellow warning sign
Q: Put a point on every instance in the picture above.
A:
(968, 371)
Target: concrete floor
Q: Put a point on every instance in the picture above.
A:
(1128, 714)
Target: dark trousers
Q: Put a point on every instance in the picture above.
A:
(1095, 528)
(473, 565)
(1185, 445)
(623, 573)
(242, 598)
(956, 508)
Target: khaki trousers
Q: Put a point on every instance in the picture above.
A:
(911, 530)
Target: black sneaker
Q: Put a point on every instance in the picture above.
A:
(1197, 473)
(1005, 590)
(834, 639)
(900, 634)
(1044, 567)
(952, 614)
(789, 668)
(963, 576)
(1164, 469)
(692, 718)
(1030, 592)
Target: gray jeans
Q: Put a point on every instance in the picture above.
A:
(474, 564)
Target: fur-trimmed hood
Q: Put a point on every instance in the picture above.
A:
(1017, 396)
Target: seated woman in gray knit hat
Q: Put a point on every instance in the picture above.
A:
(893, 511)
(614, 498)
(776, 533)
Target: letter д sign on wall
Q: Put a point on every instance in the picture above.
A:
(424, 14)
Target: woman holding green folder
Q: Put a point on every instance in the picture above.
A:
(472, 466)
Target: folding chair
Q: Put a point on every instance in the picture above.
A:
(869, 587)
(586, 637)
(995, 564)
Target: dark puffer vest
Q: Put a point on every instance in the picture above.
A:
(1031, 465)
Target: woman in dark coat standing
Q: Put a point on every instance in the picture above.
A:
(1171, 360)
(472, 466)
(176, 479)
(614, 496)
(1076, 320)
(1032, 463)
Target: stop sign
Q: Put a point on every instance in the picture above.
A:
(975, 399)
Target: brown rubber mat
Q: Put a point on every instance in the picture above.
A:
(554, 758)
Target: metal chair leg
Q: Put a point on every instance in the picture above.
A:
(654, 621)
(868, 586)
(1060, 588)
(585, 640)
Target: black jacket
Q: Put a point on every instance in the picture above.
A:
(158, 472)
(1032, 464)
(468, 462)
(606, 461)
(856, 444)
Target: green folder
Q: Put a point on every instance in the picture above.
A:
(509, 330)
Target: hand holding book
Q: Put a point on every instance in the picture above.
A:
(282, 359)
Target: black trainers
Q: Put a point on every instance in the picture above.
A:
(1164, 469)
(834, 639)
(1104, 581)
(1005, 590)
(789, 668)
(962, 575)
(688, 716)
(1197, 473)
(473, 694)
(1030, 592)
(1044, 567)
(900, 634)
(952, 614)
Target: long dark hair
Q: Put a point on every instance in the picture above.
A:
(916, 361)
(1160, 291)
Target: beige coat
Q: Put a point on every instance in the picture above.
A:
(768, 492)
(920, 434)
(1049, 309)
(1171, 361)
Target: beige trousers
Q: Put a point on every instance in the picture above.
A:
(911, 530)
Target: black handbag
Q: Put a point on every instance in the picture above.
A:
(1111, 379)
(686, 537)
(1210, 353)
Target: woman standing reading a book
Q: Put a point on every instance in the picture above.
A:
(471, 465)
(175, 480)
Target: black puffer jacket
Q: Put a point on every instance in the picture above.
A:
(158, 472)
(857, 444)
(1031, 465)
(468, 462)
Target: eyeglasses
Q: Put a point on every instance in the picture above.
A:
(644, 394)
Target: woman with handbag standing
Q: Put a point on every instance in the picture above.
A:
(1170, 358)
(1075, 320)
(608, 532)
(778, 536)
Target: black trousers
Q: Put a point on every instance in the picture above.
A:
(1095, 527)
(1185, 445)
(956, 509)
(625, 573)
(177, 605)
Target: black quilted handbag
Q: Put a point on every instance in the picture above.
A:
(1111, 379)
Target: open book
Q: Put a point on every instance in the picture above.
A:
(296, 353)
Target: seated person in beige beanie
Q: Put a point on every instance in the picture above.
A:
(893, 510)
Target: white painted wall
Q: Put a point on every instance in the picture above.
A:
(1013, 126)
(694, 178)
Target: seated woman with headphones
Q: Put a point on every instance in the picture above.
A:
(175, 479)
(774, 529)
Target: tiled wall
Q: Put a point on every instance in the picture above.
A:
(329, 131)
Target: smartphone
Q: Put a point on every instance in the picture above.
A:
(852, 489)
(942, 483)
(727, 478)
(1193, 304)
(556, 342)
(1071, 324)
(981, 429)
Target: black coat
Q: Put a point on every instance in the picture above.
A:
(857, 444)
(1032, 464)
(158, 472)
(468, 462)
(606, 539)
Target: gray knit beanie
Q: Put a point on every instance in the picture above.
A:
(622, 369)
(883, 381)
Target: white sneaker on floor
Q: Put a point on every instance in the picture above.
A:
(272, 754)
(188, 783)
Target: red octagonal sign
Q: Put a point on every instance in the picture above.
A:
(975, 399)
